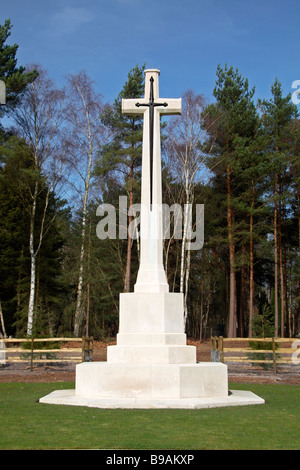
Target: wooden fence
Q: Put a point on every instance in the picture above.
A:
(272, 351)
(35, 350)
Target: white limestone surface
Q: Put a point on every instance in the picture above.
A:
(234, 398)
(205, 379)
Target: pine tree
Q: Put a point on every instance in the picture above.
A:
(294, 232)
(121, 159)
(17, 182)
(231, 119)
(15, 78)
(277, 116)
(13, 228)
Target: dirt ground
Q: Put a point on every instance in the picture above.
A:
(60, 372)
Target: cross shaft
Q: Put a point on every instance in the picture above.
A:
(151, 106)
(151, 275)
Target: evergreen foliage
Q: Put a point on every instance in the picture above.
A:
(244, 281)
(15, 78)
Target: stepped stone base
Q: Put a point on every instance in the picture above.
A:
(159, 354)
(151, 366)
(174, 386)
(151, 380)
(234, 398)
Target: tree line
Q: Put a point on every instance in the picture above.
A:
(65, 152)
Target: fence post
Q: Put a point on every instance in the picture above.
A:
(83, 348)
(2, 352)
(274, 356)
(31, 357)
(221, 348)
(87, 349)
(215, 351)
(212, 349)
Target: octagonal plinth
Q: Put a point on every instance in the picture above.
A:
(103, 379)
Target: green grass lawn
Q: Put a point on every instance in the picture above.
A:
(28, 424)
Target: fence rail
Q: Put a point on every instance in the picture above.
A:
(35, 350)
(224, 350)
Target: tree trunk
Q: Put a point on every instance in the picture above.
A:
(201, 314)
(297, 313)
(208, 307)
(298, 204)
(242, 302)
(129, 239)
(282, 305)
(276, 259)
(88, 283)
(187, 277)
(288, 330)
(251, 268)
(232, 278)
(182, 259)
(2, 322)
(32, 264)
(185, 254)
(78, 311)
(79, 306)
(19, 289)
(188, 255)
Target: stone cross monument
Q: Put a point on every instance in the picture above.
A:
(151, 366)
(151, 275)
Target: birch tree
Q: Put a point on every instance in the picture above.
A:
(186, 159)
(121, 159)
(84, 136)
(38, 119)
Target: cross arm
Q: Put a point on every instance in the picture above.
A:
(129, 106)
(174, 106)
(167, 106)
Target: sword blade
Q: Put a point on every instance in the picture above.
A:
(151, 124)
(151, 106)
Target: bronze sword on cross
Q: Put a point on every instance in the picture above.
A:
(151, 106)
(151, 274)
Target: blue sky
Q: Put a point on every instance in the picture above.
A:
(185, 39)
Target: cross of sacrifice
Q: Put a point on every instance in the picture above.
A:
(2, 92)
(151, 275)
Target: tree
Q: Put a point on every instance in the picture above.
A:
(277, 115)
(83, 139)
(16, 78)
(17, 183)
(232, 117)
(295, 196)
(14, 227)
(38, 117)
(186, 160)
(121, 158)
